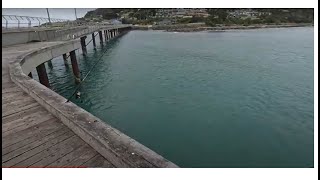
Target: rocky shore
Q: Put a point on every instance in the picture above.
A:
(202, 27)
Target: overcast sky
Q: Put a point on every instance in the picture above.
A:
(61, 13)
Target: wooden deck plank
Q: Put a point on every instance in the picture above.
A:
(41, 114)
(40, 144)
(40, 155)
(27, 124)
(6, 80)
(35, 133)
(63, 161)
(18, 102)
(31, 152)
(11, 90)
(6, 111)
(6, 77)
(84, 157)
(98, 161)
(15, 100)
(19, 114)
(14, 93)
(36, 130)
(8, 85)
(59, 150)
(13, 96)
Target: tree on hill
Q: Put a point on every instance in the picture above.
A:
(106, 13)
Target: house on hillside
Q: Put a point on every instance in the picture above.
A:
(111, 21)
(116, 21)
(164, 22)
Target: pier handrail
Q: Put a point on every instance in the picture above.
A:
(19, 22)
(15, 21)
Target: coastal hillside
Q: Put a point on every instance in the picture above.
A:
(210, 17)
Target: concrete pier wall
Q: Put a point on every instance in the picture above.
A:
(25, 36)
(12, 37)
(44, 55)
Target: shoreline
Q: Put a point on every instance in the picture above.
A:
(223, 28)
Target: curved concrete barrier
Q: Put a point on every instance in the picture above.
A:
(118, 148)
(24, 36)
(35, 58)
(20, 36)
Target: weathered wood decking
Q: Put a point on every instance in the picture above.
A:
(31, 136)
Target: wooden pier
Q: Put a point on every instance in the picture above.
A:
(39, 129)
(31, 136)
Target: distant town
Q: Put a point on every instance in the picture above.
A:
(208, 17)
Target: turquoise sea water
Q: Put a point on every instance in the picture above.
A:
(227, 99)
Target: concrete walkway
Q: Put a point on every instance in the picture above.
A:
(31, 136)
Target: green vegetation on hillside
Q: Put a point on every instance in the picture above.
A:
(266, 16)
(223, 16)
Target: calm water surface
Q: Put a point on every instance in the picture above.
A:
(230, 99)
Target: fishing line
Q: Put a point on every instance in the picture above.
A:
(75, 91)
(91, 39)
(87, 74)
(86, 44)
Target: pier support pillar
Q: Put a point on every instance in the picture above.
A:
(75, 66)
(100, 36)
(65, 59)
(42, 73)
(83, 45)
(30, 75)
(50, 64)
(93, 40)
(105, 35)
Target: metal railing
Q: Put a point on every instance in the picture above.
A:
(14, 21)
(55, 30)
(25, 22)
